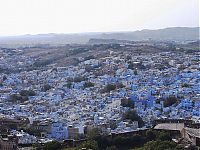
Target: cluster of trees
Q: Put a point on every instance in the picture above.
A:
(68, 84)
(54, 145)
(181, 67)
(4, 78)
(108, 88)
(158, 140)
(111, 87)
(98, 141)
(17, 98)
(27, 93)
(152, 140)
(32, 131)
(171, 100)
(161, 145)
(185, 85)
(22, 96)
(91, 144)
(133, 116)
(152, 135)
(127, 102)
(88, 84)
(46, 87)
(76, 79)
(115, 143)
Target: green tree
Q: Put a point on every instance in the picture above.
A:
(79, 79)
(120, 141)
(109, 87)
(27, 93)
(164, 136)
(24, 93)
(14, 98)
(135, 72)
(4, 78)
(68, 85)
(170, 101)
(46, 87)
(31, 93)
(151, 135)
(54, 145)
(88, 84)
(104, 142)
(160, 145)
(119, 85)
(127, 102)
(186, 85)
(133, 116)
(91, 144)
(32, 131)
(94, 134)
(130, 65)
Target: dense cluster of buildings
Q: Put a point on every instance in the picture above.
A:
(68, 102)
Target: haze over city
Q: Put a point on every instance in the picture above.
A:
(75, 16)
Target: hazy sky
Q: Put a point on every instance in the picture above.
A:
(72, 16)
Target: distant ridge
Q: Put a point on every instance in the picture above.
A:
(173, 33)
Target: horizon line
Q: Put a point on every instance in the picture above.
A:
(96, 32)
